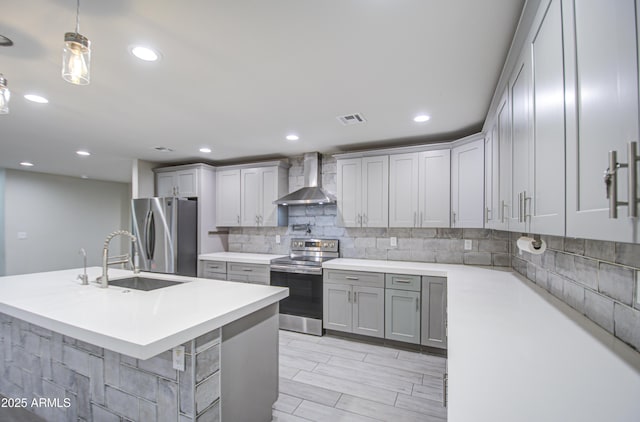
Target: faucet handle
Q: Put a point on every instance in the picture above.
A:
(83, 278)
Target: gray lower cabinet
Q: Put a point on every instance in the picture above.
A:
(248, 273)
(434, 311)
(402, 307)
(353, 302)
(402, 315)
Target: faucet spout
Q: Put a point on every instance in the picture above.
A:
(104, 280)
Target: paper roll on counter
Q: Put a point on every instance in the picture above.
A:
(529, 244)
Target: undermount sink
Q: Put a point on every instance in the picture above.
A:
(142, 283)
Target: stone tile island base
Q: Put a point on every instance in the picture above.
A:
(231, 374)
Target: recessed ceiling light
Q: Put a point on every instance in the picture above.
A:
(163, 149)
(26, 164)
(292, 137)
(83, 153)
(420, 118)
(145, 53)
(205, 150)
(36, 98)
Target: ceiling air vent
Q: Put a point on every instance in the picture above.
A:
(351, 119)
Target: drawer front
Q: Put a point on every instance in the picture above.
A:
(214, 266)
(355, 278)
(247, 272)
(402, 282)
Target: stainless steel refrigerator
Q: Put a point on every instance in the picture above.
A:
(166, 229)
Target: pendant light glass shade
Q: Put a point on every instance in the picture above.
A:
(5, 95)
(76, 56)
(76, 59)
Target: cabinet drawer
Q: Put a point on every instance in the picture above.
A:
(356, 278)
(214, 267)
(248, 273)
(402, 282)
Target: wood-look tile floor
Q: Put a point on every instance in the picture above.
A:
(333, 379)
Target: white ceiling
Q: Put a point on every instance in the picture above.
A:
(239, 75)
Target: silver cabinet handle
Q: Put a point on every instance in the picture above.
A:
(401, 280)
(421, 220)
(520, 206)
(352, 278)
(611, 181)
(238, 218)
(349, 296)
(454, 218)
(355, 297)
(502, 208)
(214, 266)
(486, 214)
(445, 380)
(417, 304)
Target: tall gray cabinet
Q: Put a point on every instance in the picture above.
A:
(434, 312)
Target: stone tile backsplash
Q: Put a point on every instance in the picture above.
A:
(598, 279)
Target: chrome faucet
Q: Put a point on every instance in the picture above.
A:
(120, 259)
(84, 278)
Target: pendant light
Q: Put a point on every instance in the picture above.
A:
(4, 95)
(76, 55)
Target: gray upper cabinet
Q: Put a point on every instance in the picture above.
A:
(467, 185)
(363, 192)
(228, 198)
(434, 312)
(601, 68)
(180, 181)
(420, 189)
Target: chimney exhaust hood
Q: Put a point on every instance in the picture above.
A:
(311, 193)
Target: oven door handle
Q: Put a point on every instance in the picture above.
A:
(287, 269)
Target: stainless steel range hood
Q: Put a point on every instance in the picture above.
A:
(311, 193)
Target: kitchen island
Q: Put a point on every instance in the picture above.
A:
(106, 354)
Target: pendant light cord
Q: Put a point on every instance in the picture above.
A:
(78, 17)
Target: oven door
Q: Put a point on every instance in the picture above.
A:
(305, 294)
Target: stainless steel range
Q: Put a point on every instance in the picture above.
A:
(301, 272)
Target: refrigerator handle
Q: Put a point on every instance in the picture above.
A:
(150, 238)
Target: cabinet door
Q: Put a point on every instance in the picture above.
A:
(187, 183)
(375, 191)
(403, 190)
(267, 214)
(504, 163)
(250, 196)
(402, 315)
(165, 184)
(349, 195)
(601, 53)
(467, 185)
(228, 198)
(488, 177)
(546, 164)
(434, 188)
(368, 311)
(520, 88)
(337, 307)
(434, 312)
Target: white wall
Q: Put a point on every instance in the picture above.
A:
(60, 215)
(142, 179)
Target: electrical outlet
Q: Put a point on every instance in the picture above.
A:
(468, 244)
(393, 241)
(277, 239)
(178, 358)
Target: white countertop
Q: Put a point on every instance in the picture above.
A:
(516, 353)
(241, 257)
(132, 322)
